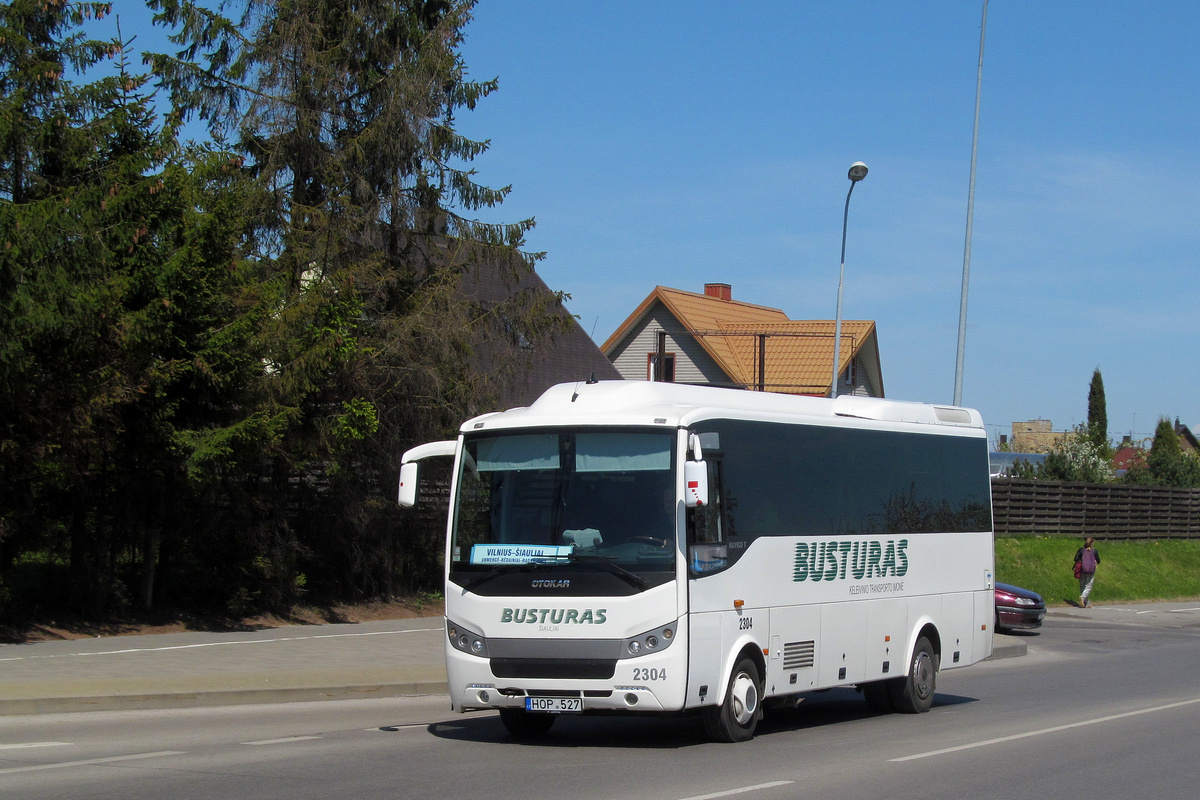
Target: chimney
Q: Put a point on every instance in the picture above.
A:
(721, 291)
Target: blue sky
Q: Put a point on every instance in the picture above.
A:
(680, 143)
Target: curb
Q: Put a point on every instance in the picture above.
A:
(176, 700)
(1013, 648)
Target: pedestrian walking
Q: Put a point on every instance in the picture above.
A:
(1086, 561)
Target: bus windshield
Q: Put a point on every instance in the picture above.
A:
(601, 497)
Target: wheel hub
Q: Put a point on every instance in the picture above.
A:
(923, 676)
(745, 699)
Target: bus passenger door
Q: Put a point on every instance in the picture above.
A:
(707, 556)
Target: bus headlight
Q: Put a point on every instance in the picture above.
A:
(466, 641)
(649, 642)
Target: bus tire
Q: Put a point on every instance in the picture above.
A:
(913, 694)
(878, 695)
(738, 715)
(524, 725)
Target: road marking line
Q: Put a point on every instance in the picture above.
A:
(219, 644)
(285, 740)
(1043, 731)
(1181, 610)
(25, 745)
(110, 760)
(742, 790)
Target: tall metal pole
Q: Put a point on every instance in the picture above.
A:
(966, 277)
(858, 171)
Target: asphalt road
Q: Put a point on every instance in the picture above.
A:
(1101, 709)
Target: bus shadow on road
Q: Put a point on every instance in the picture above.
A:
(835, 707)
(667, 732)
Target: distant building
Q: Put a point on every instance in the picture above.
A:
(1130, 454)
(1035, 436)
(1127, 456)
(711, 339)
(1187, 442)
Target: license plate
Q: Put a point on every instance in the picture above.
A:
(554, 705)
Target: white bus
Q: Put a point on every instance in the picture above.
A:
(628, 546)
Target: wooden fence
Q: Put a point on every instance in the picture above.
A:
(1103, 510)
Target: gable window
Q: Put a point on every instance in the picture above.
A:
(668, 370)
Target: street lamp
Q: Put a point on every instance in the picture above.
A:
(858, 171)
(966, 278)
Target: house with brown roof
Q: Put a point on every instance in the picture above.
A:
(711, 339)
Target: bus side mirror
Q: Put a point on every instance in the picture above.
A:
(695, 483)
(408, 484)
(408, 468)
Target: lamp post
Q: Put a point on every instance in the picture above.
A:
(966, 276)
(858, 171)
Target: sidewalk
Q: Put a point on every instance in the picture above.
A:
(177, 670)
(387, 658)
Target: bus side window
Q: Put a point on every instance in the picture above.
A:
(706, 523)
(707, 551)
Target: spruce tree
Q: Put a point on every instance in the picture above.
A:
(122, 312)
(365, 238)
(1165, 459)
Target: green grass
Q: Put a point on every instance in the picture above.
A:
(1167, 569)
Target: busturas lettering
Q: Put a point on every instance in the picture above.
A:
(837, 560)
(555, 616)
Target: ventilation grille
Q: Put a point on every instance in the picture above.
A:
(562, 668)
(798, 655)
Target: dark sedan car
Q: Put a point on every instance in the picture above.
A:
(1018, 608)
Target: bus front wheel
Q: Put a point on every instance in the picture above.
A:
(737, 716)
(524, 725)
(913, 694)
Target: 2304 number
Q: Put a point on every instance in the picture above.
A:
(640, 674)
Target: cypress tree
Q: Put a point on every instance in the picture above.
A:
(1097, 419)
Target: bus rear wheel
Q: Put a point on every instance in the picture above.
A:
(913, 694)
(738, 715)
(524, 725)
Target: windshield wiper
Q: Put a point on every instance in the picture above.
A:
(631, 578)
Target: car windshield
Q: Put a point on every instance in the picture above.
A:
(544, 498)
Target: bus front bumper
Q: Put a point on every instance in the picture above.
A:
(643, 684)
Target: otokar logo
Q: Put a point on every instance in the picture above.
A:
(555, 616)
(564, 583)
(834, 561)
